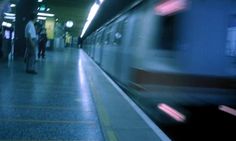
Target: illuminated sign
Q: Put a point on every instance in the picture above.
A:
(49, 25)
(168, 7)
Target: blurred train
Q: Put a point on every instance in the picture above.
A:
(169, 42)
(180, 53)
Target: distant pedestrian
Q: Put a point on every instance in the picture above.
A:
(31, 41)
(42, 43)
(79, 42)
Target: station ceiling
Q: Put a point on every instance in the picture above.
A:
(74, 10)
(78, 10)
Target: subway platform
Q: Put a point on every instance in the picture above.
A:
(70, 99)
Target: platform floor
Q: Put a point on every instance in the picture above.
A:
(69, 99)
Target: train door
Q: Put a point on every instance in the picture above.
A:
(98, 48)
(93, 45)
(118, 43)
(108, 50)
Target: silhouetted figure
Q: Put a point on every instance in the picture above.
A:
(42, 43)
(31, 41)
(79, 42)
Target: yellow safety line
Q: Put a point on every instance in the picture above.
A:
(110, 134)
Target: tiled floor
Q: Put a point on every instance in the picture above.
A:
(55, 104)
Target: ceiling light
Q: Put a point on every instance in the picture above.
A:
(69, 24)
(12, 5)
(42, 18)
(46, 14)
(6, 24)
(40, 0)
(92, 13)
(9, 17)
(10, 14)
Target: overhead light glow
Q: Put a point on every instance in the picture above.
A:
(69, 24)
(10, 14)
(48, 9)
(92, 13)
(46, 14)
(42, 18)
(12, 5)
(40, 0)
(6, 24)
(171, 112)
(9, 17)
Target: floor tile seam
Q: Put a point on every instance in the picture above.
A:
(89, 122)
(46, 90)
(45, 140)
(43, 108)
(20, 93)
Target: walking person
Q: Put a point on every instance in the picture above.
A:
(42, 43)
(31, 41)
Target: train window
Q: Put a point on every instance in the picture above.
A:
(231, 37)
(107, 36)
(98, 40)
(102, 37)
(119, 33)
(168, 32)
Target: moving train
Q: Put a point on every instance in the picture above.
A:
(175, 55)
(169, 42)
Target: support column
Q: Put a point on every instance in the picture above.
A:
(23, 10)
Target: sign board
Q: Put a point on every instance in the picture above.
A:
(49, 25)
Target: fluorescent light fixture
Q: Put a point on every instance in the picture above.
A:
(12, 5)
(42, 18)
(9, 17)
(46, 14)
(40, 0)
(86, 25)
(6, 24)
(92, 13)
(10, 14)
